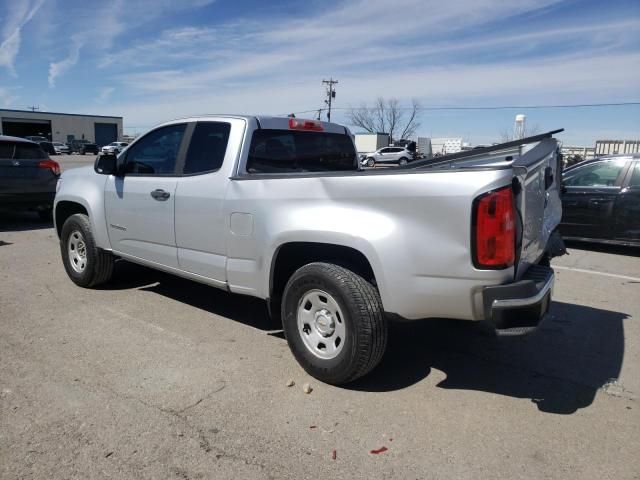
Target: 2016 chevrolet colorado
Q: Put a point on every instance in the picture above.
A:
(277, 208)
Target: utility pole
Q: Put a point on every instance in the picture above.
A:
(33, 108)
(331, 94)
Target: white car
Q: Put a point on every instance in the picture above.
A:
(114, 147)
(61, 148)
(399, 155)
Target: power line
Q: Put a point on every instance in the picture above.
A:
(498, 107)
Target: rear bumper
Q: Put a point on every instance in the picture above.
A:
(520, 307)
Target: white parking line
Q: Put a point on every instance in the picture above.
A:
(604, 274)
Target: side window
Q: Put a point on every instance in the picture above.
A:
(6, 149)
(207, 148)
(635, 176)
(156, 153)
(386, 150)
(600, 174)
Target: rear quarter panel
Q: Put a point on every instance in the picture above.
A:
(414, 228)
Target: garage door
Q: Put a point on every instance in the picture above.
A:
(19, 127)
(106, 133)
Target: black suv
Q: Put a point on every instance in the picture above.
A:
(28, 176)
(83, 147)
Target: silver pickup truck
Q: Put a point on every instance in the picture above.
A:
(277, 208)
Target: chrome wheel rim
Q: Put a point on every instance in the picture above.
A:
(321, 324)
(77, 251)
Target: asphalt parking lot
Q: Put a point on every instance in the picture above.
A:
(154, 376)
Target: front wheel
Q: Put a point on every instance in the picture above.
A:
(403, 161)
(370, 162)
(334, 322)
(85, 263)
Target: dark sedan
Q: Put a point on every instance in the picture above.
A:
(601, 200)
(28, 176)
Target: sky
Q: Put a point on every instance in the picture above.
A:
(155, 60)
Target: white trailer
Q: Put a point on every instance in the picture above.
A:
(370, 142)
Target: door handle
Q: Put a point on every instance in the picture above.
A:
(160, 195)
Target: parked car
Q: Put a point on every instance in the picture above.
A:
(601, 200)
(83, 147)
(386, 155)
(61, 148)
(36, 138)
(114, 147)
(48, 147)
(277, 208)
(28, 176)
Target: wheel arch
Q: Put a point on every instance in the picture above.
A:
(290, 256)
(64, 209)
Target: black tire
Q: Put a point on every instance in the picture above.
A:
(99, 264)
(371, 162)
(403, 161)
(362, 313)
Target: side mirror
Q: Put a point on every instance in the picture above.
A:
(106, 164)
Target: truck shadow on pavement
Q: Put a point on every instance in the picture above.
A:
(12, 221)
(241, 308)
(560, 367)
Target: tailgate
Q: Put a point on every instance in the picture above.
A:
(538, 171)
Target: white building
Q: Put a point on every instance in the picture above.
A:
(444, 146)
(612, 147)
(61, 127)
(370, 142)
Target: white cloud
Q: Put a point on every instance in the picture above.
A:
(7, 98)
(19, 13)
(287, 50)
(59, 68)
(104, 93)
(96, 31)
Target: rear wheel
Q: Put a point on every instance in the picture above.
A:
(85, 263)
(334, 322)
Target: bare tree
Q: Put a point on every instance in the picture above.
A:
(387, 116)
(529, 130)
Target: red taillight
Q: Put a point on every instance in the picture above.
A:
(301, 124)
(50, 164)
(495, 230)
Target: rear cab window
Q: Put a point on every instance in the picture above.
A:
(289, 151)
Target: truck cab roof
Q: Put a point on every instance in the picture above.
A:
(263, 121)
